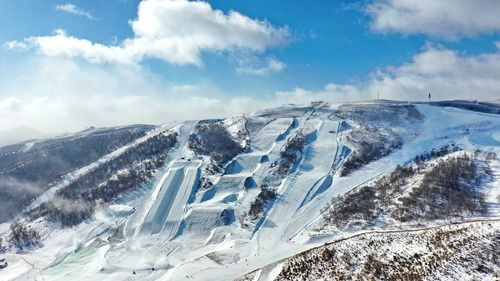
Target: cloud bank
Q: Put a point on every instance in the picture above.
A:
(443, 18)
(55, 95)
(175, 31)
(447, 74)
(60, 95)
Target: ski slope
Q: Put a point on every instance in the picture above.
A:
(169, 205)
(312, 172)
(187, 233)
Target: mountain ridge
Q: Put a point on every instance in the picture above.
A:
(218, 198)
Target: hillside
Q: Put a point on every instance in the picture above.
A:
(465, 251)
(257, 197)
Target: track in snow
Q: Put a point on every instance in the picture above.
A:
(169, 206)
(316, 164)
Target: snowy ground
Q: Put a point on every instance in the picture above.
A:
(168, 230)
(461, 251)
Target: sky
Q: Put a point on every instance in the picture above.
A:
(65, 66)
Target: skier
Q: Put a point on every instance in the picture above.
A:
(429, 97)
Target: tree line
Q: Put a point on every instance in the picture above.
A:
(136, 165)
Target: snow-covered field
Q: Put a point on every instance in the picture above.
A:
(462, 251)
(173, 230)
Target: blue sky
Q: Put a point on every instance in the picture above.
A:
(331, 40)
(271, 52)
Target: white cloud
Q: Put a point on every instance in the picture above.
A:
(56, 95)
(61, 95)
(176, 31)
(74, 10)
(445, 73)
(60, 44)
(11, 45)
(10, 104)
(271, 65)
(441, 18)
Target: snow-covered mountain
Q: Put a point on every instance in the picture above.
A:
(19, 134)
(323, 191)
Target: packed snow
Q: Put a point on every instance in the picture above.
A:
(171, 229)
